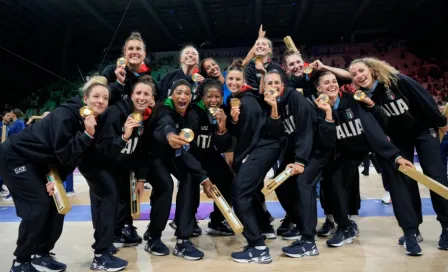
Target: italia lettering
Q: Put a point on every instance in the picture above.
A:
(289, 124)
(395, 108)
(349, 129)
(204, 141)
(130, 146)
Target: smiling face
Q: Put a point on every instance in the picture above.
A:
(189, 56)
(328, 85)
(273, 80)
(212, 98)
(262, 47)
(142, 97)
(97, 99)
(234, 81)
(211, 68)
(362, 75)
(294, 65)
(181, 98)
(134, 52)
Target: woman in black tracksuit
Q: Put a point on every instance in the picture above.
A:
(357, 133)
(411, 119)
(60, 140)
(173, 154)
(119, 150)
(122, 79)
(257, 126)
(212, 137)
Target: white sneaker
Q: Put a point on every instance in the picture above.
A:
(147, 186)
(4, 193)
(386, 198)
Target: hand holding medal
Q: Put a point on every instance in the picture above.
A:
(188, 136)
(87, 113)
(361, 96)
(235, 103)
(132, 123)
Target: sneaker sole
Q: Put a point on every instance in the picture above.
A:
(254, 260)
(217, 232)
(414, 254)
(121, 245)
(328, 234)
(297, 237)
(156, 253)
(308, 253)
(179, 254)
(270, 236)
(344, 242)
(41, 268)
(102, 268)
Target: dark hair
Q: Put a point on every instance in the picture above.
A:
(237, 65)
(4, 113)
(178, 83)
(147, 80)
(208, 84)
(202, 70)
(18, 113)
(135, 36)
(274, 71)
(315, 78)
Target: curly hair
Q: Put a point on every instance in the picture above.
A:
(381, 70)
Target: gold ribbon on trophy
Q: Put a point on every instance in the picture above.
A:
(135, 199)
(277, 181)
(227, 211)
(60, 195)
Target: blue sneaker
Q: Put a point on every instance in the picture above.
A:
(403, 238)
(300, 248)
(188, 251)
(108, 262)
(411, 246)
(355, 228)
(22, 267)
(292, 234)
(252, 255)
(112, 249)
(443, 240)
(47, 263)
(341, 237)
(130, 232)
(328, 229)
(156, 248)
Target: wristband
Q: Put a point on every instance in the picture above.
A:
(88, 134)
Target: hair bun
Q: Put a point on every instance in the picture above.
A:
(135, 35)
(237, 62)
(146, 78)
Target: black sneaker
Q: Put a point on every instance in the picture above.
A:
(22, 267)
(157, 248)
(188, 251)
(131, 233)
(220, 229)
(108, 262)
(112, 249)
(124, 241)
(355, 228)
(300, 248)
(269, 233)
(252, 255)
(146, 235)
(411, 246)
(443, 240)
(403, 238)
(328, 229)
(286, 225)
(196, 231)
(47, 262)
(293, 234)
(341, 237)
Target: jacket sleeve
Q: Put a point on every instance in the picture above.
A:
(116, 89)
(422, 99)
(164, 126)
(67, 148)
(304, 120)
(379, 115)
(110, 140)
(251, 76)
(376, 137)
(326, 131)
(222, 142)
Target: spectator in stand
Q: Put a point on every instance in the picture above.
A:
(6, 118)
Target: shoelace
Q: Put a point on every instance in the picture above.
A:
(297, 243)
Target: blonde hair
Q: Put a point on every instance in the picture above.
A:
(135, 36)
(381, 70)
(93, 82)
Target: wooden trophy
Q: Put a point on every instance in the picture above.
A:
(421, 178)
(135, 199)
(227, 211)
(290, 44)
(277, 181)
(60, 195)
(441, 133)
(3, 133)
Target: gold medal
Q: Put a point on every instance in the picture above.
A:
(308, 70)
(359, 95)
(300, 90)
(137, 116)
(122, 62)
(213, 110)
(195, 77)
(324, 98)
(259, 60)
(187, 134)
(235, 102)
(273, 92)
(85, 111)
